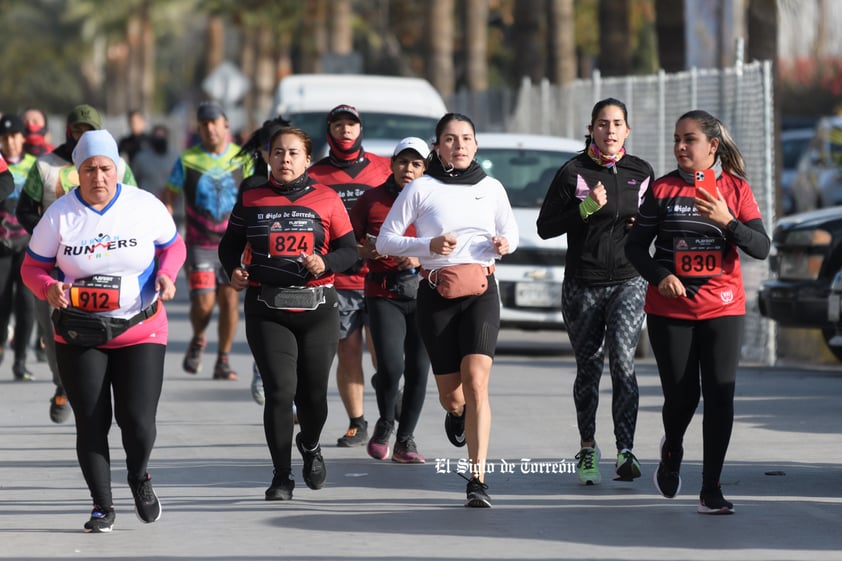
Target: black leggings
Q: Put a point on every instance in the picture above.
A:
(400, 351)
(684, 349)
(293, 352)
(15, 297)
(136, 374)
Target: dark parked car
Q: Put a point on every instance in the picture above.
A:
(806, 256)
(818, 180)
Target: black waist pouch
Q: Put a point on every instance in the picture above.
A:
(280, 298)
(92, 330)
(402, 284)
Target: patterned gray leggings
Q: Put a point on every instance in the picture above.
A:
(598, 317)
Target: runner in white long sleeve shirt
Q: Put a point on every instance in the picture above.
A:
(460, 216)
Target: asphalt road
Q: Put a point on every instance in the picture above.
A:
(211, 466)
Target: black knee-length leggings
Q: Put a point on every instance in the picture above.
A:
(136, 375)
(687, 352)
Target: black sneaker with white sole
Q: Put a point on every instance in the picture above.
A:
(711, 501)
(314, 471)
(102, 520)
(147, 505)
(477, 493)
(454, 428)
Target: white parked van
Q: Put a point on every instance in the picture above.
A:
(391, 107)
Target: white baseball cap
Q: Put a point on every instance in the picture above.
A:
(412, 143)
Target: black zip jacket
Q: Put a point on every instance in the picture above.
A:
(595, 246)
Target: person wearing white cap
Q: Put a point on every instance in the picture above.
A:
(391, 285)
(463, 223)
(105, 238)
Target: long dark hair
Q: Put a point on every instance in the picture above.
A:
(729, 155)
(260, 139)
(598, 107)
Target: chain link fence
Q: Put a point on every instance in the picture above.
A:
(742, 98)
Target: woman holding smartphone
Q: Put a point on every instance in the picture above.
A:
(695, 302)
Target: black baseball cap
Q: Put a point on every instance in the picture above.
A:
(11, 124)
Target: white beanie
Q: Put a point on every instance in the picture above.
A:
(95, 143)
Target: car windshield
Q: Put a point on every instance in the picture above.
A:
(792, 150)
(526, 174)
(375, 125)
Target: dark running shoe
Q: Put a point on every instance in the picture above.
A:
(406, 452)
(223, 371)
(477, 494)
(102, 520)
(193, 359)
(147, 505)
(21, 373)
(354, 436)
(314, 472)
(281, 487)
(667, 478)
(59, 407)
(711, 501)
(454, 428)
(378, 446)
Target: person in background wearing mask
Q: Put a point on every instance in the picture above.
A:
(350, 171)
(36, 134)
(50, 178)
(391, 286)
(14, 298)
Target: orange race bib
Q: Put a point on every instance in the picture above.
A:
(289, 243)
(98, 293)
(698, 257)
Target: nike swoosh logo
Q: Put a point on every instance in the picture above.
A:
(460, 438)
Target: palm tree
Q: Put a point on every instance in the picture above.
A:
(614, 37)
(476, 44)
(440, 33)
(529, 47)
(671, 29)
(561, 35)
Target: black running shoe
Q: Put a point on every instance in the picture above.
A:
(667, 478)
(102, 520)
(454, 428)
(147, 505)
(354, 436)
(711, 501)
(314, 472)
(477, 494)
(281, 487)
(59, 407)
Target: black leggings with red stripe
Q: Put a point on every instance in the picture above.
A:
(698, 358)
(136, 375)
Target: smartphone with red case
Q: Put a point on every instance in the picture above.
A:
(705, 179)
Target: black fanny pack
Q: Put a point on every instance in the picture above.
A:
(92, 330)
(402, 284)
(281, 298)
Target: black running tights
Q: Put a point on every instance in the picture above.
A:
(688, 351)
(135, 374)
